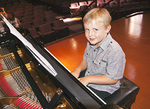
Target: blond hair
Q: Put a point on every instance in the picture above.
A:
(98, 15)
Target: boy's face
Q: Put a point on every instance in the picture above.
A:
(96, 32)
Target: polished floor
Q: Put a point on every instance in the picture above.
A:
(133, 34)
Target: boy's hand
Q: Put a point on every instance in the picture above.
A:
(75, 73)
(84, 80)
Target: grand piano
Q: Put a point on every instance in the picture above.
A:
(31, 77)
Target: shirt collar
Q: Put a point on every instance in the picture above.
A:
(104, 44)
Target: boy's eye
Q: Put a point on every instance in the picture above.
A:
(87, 29)
(95, 29)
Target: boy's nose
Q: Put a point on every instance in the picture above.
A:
(90, 33)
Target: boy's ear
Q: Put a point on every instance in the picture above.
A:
(108, 28)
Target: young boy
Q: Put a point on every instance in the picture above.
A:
(104, 59)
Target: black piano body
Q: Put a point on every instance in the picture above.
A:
(66, 85)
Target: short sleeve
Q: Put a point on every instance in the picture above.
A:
(116, 64)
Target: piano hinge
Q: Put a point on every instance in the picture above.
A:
(55, 99)
(59, 91)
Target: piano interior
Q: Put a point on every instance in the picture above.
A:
(18, 93)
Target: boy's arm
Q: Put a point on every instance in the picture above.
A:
(97, 79)
(82, 66)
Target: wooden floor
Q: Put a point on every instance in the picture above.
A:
(133, 34)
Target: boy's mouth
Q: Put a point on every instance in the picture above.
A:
(91, 39)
